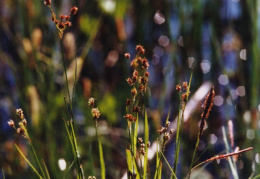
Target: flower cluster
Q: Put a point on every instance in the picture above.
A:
(142, 146)
(183, 89)
(207, 108)
(138, 81)
(91, 177)
(64, 21)
(95, 111)
(163, 131)
(22, 124)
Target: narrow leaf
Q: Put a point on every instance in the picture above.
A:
(27, 160)
(102, 162)
(146, 139)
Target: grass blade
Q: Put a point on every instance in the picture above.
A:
(146, 139)
(173, 174)
(46, 170)
(102, 162)
(34, 169)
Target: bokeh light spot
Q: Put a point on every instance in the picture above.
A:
(218, 101)
(241, 91)
(223, 79)
(205, 66)
(159, 18)
(250, 134)
(242, 54)
(62, 164)
(163, 41)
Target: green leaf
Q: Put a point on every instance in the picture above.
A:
(102, 162)
(131, 163)
(34, 169)
(146, 139)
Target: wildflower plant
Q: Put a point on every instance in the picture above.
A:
(137, 147)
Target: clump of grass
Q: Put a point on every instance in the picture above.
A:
(137, 148)
(22, 130)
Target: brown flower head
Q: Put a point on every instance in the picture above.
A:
(185, 86)
(128, 102)
(20, 130)
(145, 63)
(67, 23)
(11, 123)
(129, 81)
(62, 17)
(67, 17)
(140, 49)
(61, 26)
(74, 10)
(146, 74)
(136, 109)
(91, 102)
(178, 88)
(95, 113)
(207, 108)
(47, 2)
(127, 55)
(133, 92)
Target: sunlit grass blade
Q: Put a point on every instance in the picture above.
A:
(67, 171)
(135, 136)
(173, 174)
(46, 170)
(231, 164)
(102, 162)
(131, 163)
(146, 139)
(34, 169)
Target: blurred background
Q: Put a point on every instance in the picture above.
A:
(216, 40)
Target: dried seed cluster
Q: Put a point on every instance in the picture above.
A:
(138, 81)
(64, 21)
(22, 124)
(91, 177)
(95, 111)
(183, 89)
(163, 131)
(207, 108)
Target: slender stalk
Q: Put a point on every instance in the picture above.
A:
(38, 162)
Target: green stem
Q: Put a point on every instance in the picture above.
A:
(38, 162)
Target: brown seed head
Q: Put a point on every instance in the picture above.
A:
(133, 92)
(166, 136)
(128, 102)
(127, 55)
(95, 113)
(178, 88)
(207, 108)
(148, 144)
(136, 109)
(74, 10)
(185, 86)
(56, 21)
(91, 102)
(61, 26)
(62, 17)
(67, 23)
(140, 49)
(146, 74)
(129, 81)
(11, 123)
(20, 130)
(47, 2)
(24, 122)
(67, 17)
